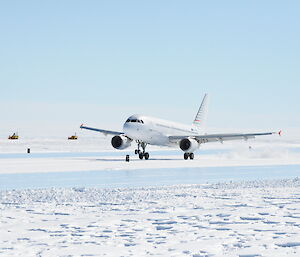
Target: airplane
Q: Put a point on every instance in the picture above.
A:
(146, 130)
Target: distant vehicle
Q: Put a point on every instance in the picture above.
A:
(74, 137)
(14, 136)
(147, 130)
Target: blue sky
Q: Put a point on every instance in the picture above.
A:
(97, 62)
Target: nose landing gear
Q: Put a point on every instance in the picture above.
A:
(188, 155)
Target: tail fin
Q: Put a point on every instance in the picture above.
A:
(200, 119)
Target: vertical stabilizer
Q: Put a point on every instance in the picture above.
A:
(200, 119)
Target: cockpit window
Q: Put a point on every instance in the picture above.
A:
(135, 120)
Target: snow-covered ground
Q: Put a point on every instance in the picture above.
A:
(56, 144)
(248, 217)
(258, 218)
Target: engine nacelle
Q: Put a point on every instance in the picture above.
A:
(120, 142)
(189, 145)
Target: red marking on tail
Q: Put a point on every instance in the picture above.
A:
(280, 132)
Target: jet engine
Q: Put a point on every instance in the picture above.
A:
(188, 145)
(120, 142)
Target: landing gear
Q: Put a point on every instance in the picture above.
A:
(137, 151)
(187, 155)
(142, 154)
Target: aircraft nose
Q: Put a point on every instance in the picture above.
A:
(126, 127)
(129, 128)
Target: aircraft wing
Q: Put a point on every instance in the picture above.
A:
(105, 132)
(221, 137)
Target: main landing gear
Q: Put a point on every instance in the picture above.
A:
(187, 155)
(142, 154)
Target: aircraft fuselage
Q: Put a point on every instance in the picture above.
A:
(154, 131)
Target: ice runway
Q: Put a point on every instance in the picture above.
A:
(145, 177)
(46, 162)
(108, 169)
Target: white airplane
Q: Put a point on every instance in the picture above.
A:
(146, 130)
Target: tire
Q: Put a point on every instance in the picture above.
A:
(191, 156)
(127, 158)
(135, 151)
(141, 156)
(146, 156)
(186, 156)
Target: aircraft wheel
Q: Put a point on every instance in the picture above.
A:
(191, 156)
(135, 151)
(141, 156)
(186, 156)
(146, 156)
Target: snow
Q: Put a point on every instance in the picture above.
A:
(249, 218)
(55, 144)
(234, 218)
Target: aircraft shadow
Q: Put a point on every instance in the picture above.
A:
(165, 159)
(134, 160)
(111, 160)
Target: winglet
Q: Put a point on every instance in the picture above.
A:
(81, 125)
(280, 132)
